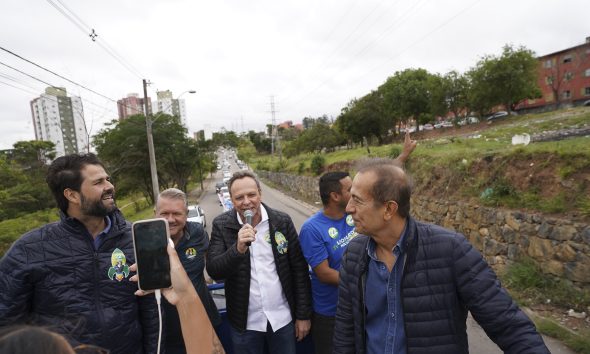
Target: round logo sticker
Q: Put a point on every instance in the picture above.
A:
(282, 243)
(333, 232)
(349, 220)
(190, 253)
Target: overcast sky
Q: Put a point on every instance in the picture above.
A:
(312, 56)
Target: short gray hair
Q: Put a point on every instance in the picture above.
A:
(173, 193)
(391, 183)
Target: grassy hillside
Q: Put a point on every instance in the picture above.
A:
(479, 162)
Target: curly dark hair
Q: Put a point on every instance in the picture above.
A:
(65, 172)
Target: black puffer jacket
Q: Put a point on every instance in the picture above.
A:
(224, 262)
(52, 276)
(444, 278)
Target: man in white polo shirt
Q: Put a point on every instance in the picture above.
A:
(267, 284)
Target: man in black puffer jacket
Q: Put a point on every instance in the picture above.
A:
(73, 275)
(406, 287)
(267, 284)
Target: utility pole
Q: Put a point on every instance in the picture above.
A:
(275, 130)
(151, 151)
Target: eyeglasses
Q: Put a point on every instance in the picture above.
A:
(90, 349)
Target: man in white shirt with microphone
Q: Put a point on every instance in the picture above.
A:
(255, 250)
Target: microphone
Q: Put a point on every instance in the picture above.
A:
(248, 216)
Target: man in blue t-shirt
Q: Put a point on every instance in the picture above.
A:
(324, 237)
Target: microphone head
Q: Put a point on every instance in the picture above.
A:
(248, 215)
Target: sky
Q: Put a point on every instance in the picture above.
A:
(310, 57)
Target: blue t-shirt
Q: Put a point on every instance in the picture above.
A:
(323, 238)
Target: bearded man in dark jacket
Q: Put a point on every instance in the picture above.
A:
(407, 286)
(267, 286)
(72, 276)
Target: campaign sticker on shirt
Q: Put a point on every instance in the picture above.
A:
(282, 244)
(349, 220)
(190, 253)
(119, 269)
(333, 232)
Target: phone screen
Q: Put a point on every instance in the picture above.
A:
(150, 238)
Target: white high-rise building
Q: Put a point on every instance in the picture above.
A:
(60, 119)
(169, 105)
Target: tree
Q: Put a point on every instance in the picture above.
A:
(349, 124)
(315, 139)
(225, 138)
(122, 146)
(22, 188)
(454, 88)
(480, 97)
(506, 80)
(261, 143)
(33, 153)
(408, 94)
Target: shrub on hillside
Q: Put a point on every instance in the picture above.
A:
(317, 164)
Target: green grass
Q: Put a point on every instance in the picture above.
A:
(579, 342)
(528, 285)
(456, 163)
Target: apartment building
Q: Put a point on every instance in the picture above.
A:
(564, 79)
(59, 118)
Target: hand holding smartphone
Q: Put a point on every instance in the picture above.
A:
(150, 239)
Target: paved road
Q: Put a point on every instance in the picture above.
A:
(300, 211)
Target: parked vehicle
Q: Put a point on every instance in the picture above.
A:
(428, 127)
(468, 120)
(218, 186)
(497, 115)
(196, 214)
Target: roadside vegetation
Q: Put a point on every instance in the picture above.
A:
(531, 288)
(479, 163)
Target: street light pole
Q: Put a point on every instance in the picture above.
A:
(150, 139)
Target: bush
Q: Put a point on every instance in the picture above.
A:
(394, 152)
(301, 167)
(280, 166)
(263, 165)
(12, 229)
(317, 164)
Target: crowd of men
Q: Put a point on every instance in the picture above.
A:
(362, 275)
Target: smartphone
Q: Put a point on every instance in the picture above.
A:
(150, 239)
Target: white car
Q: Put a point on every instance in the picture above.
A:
(196, 214)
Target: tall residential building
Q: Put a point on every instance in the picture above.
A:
(169, 105)
(131, 105)
(60, 119)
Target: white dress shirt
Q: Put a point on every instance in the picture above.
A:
(267, 302)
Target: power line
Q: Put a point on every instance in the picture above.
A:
(49, 71)
(87, 30)
(352, 38)
(444, 23)
(54, 73)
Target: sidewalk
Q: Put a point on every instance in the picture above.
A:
(195, 195)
